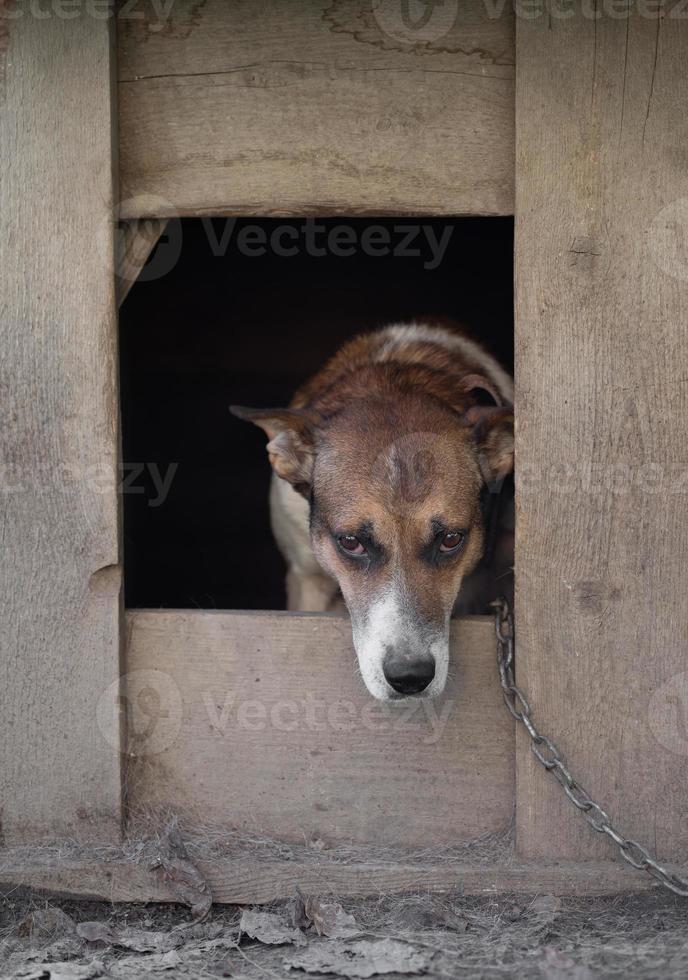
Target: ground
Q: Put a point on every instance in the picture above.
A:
(416, 935)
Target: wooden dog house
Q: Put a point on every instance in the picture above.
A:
(574, 124)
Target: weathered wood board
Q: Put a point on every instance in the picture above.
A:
(260, 722)
(602, 448)
(247, 881)
(233, 106)
(59, 574)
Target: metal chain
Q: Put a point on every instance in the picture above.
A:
(547, 754)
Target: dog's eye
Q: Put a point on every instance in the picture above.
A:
(452, 541)
(351, 544)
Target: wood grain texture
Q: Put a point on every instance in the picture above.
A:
(246, 881)
(59, 575)
(314, 108)
(260, 722)
(602, 309)
(135, 242)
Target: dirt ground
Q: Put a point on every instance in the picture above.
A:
(408, 936)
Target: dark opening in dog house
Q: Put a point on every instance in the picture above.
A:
(242, 312)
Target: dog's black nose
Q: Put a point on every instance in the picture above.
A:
(408, 675)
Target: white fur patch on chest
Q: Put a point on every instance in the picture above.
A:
(289, 513)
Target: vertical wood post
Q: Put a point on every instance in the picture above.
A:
(602, 446)
(60, 575)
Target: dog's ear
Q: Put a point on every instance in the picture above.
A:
(483, 391)
(492, 429)
(292, 442)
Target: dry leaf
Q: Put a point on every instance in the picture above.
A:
(203, 930)
(144, 941)
(137, 940)
(228, 940)
(416, 918)
(295, 910)
(134, 967)
(46, 923)
(96, 932)
(165, 961)
(272, 928)
(361, 958)
(330, 919)
(62, 950)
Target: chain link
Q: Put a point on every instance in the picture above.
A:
(547, 754)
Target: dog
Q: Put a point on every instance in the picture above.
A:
(381, 466)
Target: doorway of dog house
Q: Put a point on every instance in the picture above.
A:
(242, 311)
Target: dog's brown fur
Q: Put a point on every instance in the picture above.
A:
(391, 443)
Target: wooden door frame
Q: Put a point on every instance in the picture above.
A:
(61, 593)
(601, 307)
(584, 203)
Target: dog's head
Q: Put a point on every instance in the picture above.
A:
(396, 518)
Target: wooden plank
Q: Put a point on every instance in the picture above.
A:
(602, 307)
(260, 722)
(246, 881)
(136, 241)
(316, 108)
(59, 577)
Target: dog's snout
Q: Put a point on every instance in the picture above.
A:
(407, 674)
